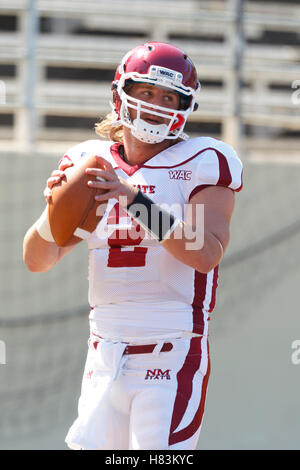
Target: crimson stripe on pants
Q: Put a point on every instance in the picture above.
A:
(184, 391)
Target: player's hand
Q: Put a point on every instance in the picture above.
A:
(115, 186)
(55, 178)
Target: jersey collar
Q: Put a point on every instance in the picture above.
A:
(116, 150)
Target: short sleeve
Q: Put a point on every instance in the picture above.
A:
(73, 154)
(216, 167)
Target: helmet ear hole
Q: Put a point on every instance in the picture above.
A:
(116, 102)
(196, 106)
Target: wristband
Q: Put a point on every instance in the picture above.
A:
(43, 227)
(153, 218)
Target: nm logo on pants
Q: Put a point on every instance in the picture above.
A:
(157, 374)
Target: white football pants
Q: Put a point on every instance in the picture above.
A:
(142, 401)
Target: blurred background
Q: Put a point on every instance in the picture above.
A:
(57, 59)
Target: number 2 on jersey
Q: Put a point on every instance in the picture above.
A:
(123, 242)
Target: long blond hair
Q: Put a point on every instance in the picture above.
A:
(107, 130)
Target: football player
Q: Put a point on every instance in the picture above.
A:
(153, 258)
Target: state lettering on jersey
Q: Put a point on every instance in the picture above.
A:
(180, 175)
(145, 188)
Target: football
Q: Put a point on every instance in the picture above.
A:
(72, 206)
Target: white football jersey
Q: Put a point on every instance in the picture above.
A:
(136, 288)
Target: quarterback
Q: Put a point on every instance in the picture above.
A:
(153, 258)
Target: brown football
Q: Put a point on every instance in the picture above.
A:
(73, 205)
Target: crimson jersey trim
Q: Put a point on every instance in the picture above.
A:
(200, 292)
(225, 174)
(225, 178)
(128, 169)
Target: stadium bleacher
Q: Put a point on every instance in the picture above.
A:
(79, 44)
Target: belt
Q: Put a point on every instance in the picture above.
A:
(142, 348)
(146, 348)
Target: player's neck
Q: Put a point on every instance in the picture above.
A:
(137, 152)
